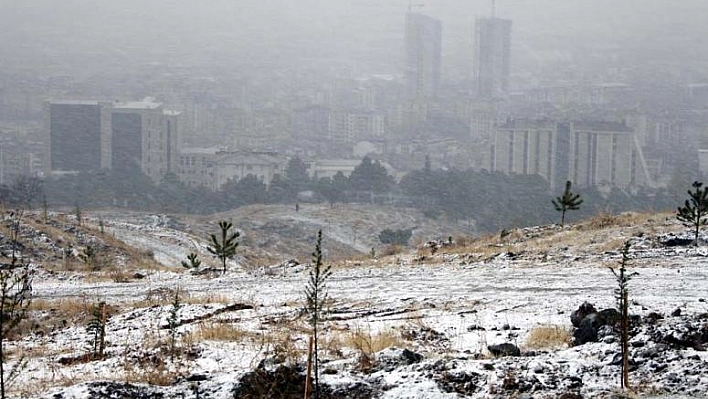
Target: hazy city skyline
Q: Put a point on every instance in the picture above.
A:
(73, 35)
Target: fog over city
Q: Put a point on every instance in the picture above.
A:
(77, 34)
(353, 199)
(609, 95)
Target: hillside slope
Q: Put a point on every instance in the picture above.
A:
(419, 324)
(274, 233)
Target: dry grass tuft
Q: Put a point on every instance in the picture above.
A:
(603, 219)
(606, 219)
(149, 369)
(217, 331)
(391, 250)
(368, 342)
(65, 306)
(283, 345)
(204, 299)
(548, 337)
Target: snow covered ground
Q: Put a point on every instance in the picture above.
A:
(447, 307)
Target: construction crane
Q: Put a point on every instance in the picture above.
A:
(411, 5)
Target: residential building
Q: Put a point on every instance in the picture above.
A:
(351, 126)
(589, 153)
(144, 137)
(213, 167)
(321, 168)
(526, 147)
(19, 159)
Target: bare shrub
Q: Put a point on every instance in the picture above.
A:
(367, 342)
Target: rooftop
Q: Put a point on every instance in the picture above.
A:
(146, 103)
(73, 102)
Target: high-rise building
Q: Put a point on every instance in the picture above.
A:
(144, 138)
(78, 135)
(423, 49)
(492, 56)
(132, 137)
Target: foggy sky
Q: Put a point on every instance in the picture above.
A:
(75, 34)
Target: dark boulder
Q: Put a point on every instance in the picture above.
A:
(580, 313)
(286, 382)
(609, 317)
(109, 389)
(505, 349)
(592, 323)
(683, 341)
(587, 331)
(391, 358)
(653, 317)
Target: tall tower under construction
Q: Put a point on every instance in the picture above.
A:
(423, 49)
(492, 56)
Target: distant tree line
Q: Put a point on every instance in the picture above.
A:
(486, 201)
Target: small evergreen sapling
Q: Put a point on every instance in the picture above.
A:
(78, 215)
(225, 247)
(622, 276)
(567, 202)
(315, 300)
(45, 209)
(695, 210)
(173, 322)
(193, 261)
(89, 255)
(15, 298)
(97, 328)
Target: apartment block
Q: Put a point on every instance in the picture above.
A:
(589, 153)
(350, 126)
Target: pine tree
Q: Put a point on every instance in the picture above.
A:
(296, 176)
(193, 263)
(90, 255)
(622, 297)
(15, 298)
(173, 322)
(78, 214)
(567, 202)
(694, 212)
(45, 209)
(224, 248)
(315, 300)
(97, 328)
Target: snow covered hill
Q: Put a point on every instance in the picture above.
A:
(425, 323)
